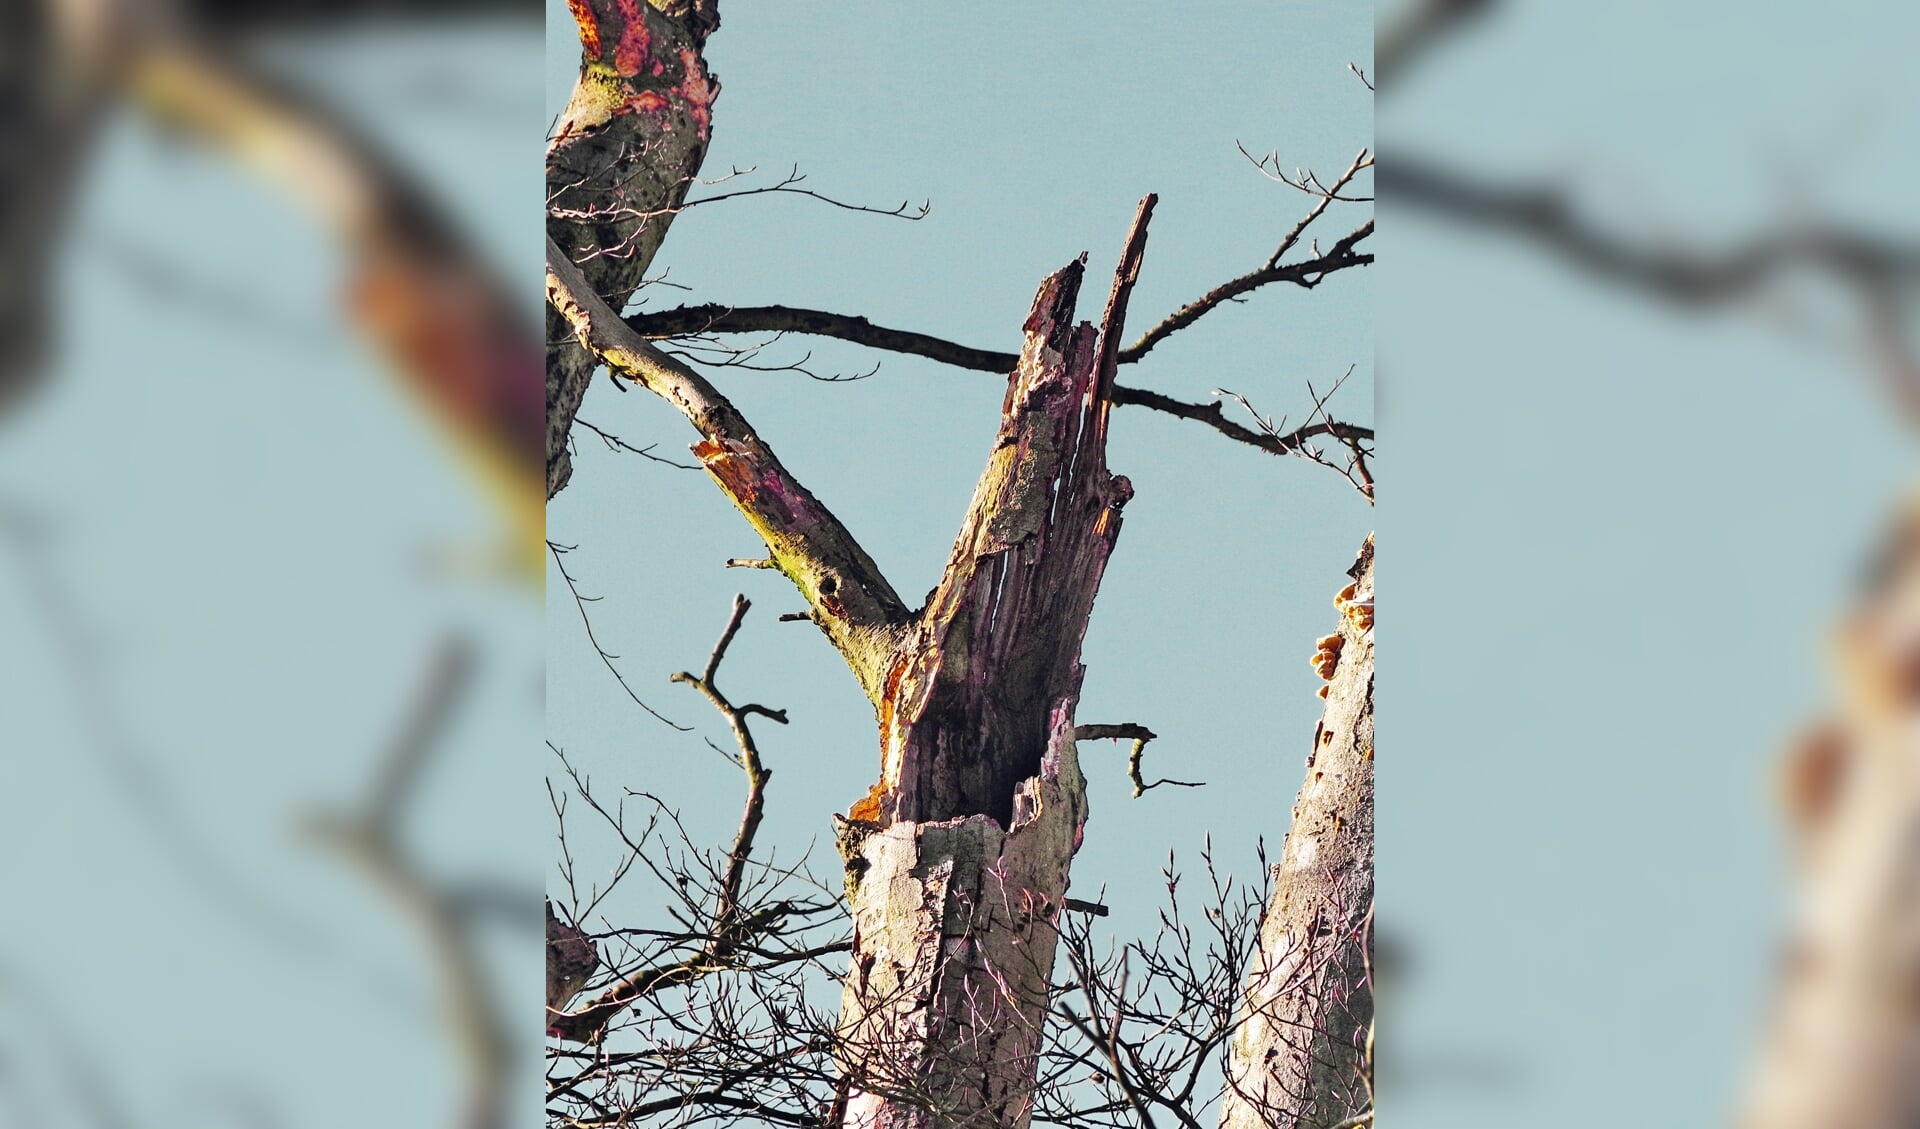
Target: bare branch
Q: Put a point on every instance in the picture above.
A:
(685, 321)
(1139, 735)
(727, 912)
(754, 319)
(789, 184)
(606, 657)
(852, 601)
(1319, 422)
(615, 443)
(1305, 274)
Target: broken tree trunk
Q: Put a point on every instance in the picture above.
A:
(1303, 1055)
(1843, 1044)
(618, 167)
(957, 860)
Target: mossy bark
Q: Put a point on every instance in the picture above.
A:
(622, 157)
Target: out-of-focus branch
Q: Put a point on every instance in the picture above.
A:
(417, 287)
(1417, 29)
(371, 839)
(461, 341)
(241, 17)
(133, 769)
(1545, 215)
(48, 118)
(1879, 269)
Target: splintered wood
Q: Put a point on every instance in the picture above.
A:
(957, 861)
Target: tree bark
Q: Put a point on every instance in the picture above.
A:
(618, 168)
(958, 859)
(1843, 1046)
(1304, 1052)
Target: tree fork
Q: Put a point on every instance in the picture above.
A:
(957, 861)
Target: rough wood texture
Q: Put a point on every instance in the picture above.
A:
(957, 862)
(1303, 1055)
(954, 939)
(622, 157)
(1843, 1044)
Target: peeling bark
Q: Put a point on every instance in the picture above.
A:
(618, 168)
(850, 600)
(954, 939)
(1303, 1054)
(958, 860)
(1843, 1044)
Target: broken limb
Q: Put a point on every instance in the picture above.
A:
(1139, 735)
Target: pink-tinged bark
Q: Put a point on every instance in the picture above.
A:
(958, 860)
(623, 155)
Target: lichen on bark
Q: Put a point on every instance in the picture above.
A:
(623, 154)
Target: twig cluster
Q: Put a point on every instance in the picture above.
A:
(1143, 1027)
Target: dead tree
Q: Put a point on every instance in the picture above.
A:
(1304, 1051)
(631, 143)
(958, 859)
